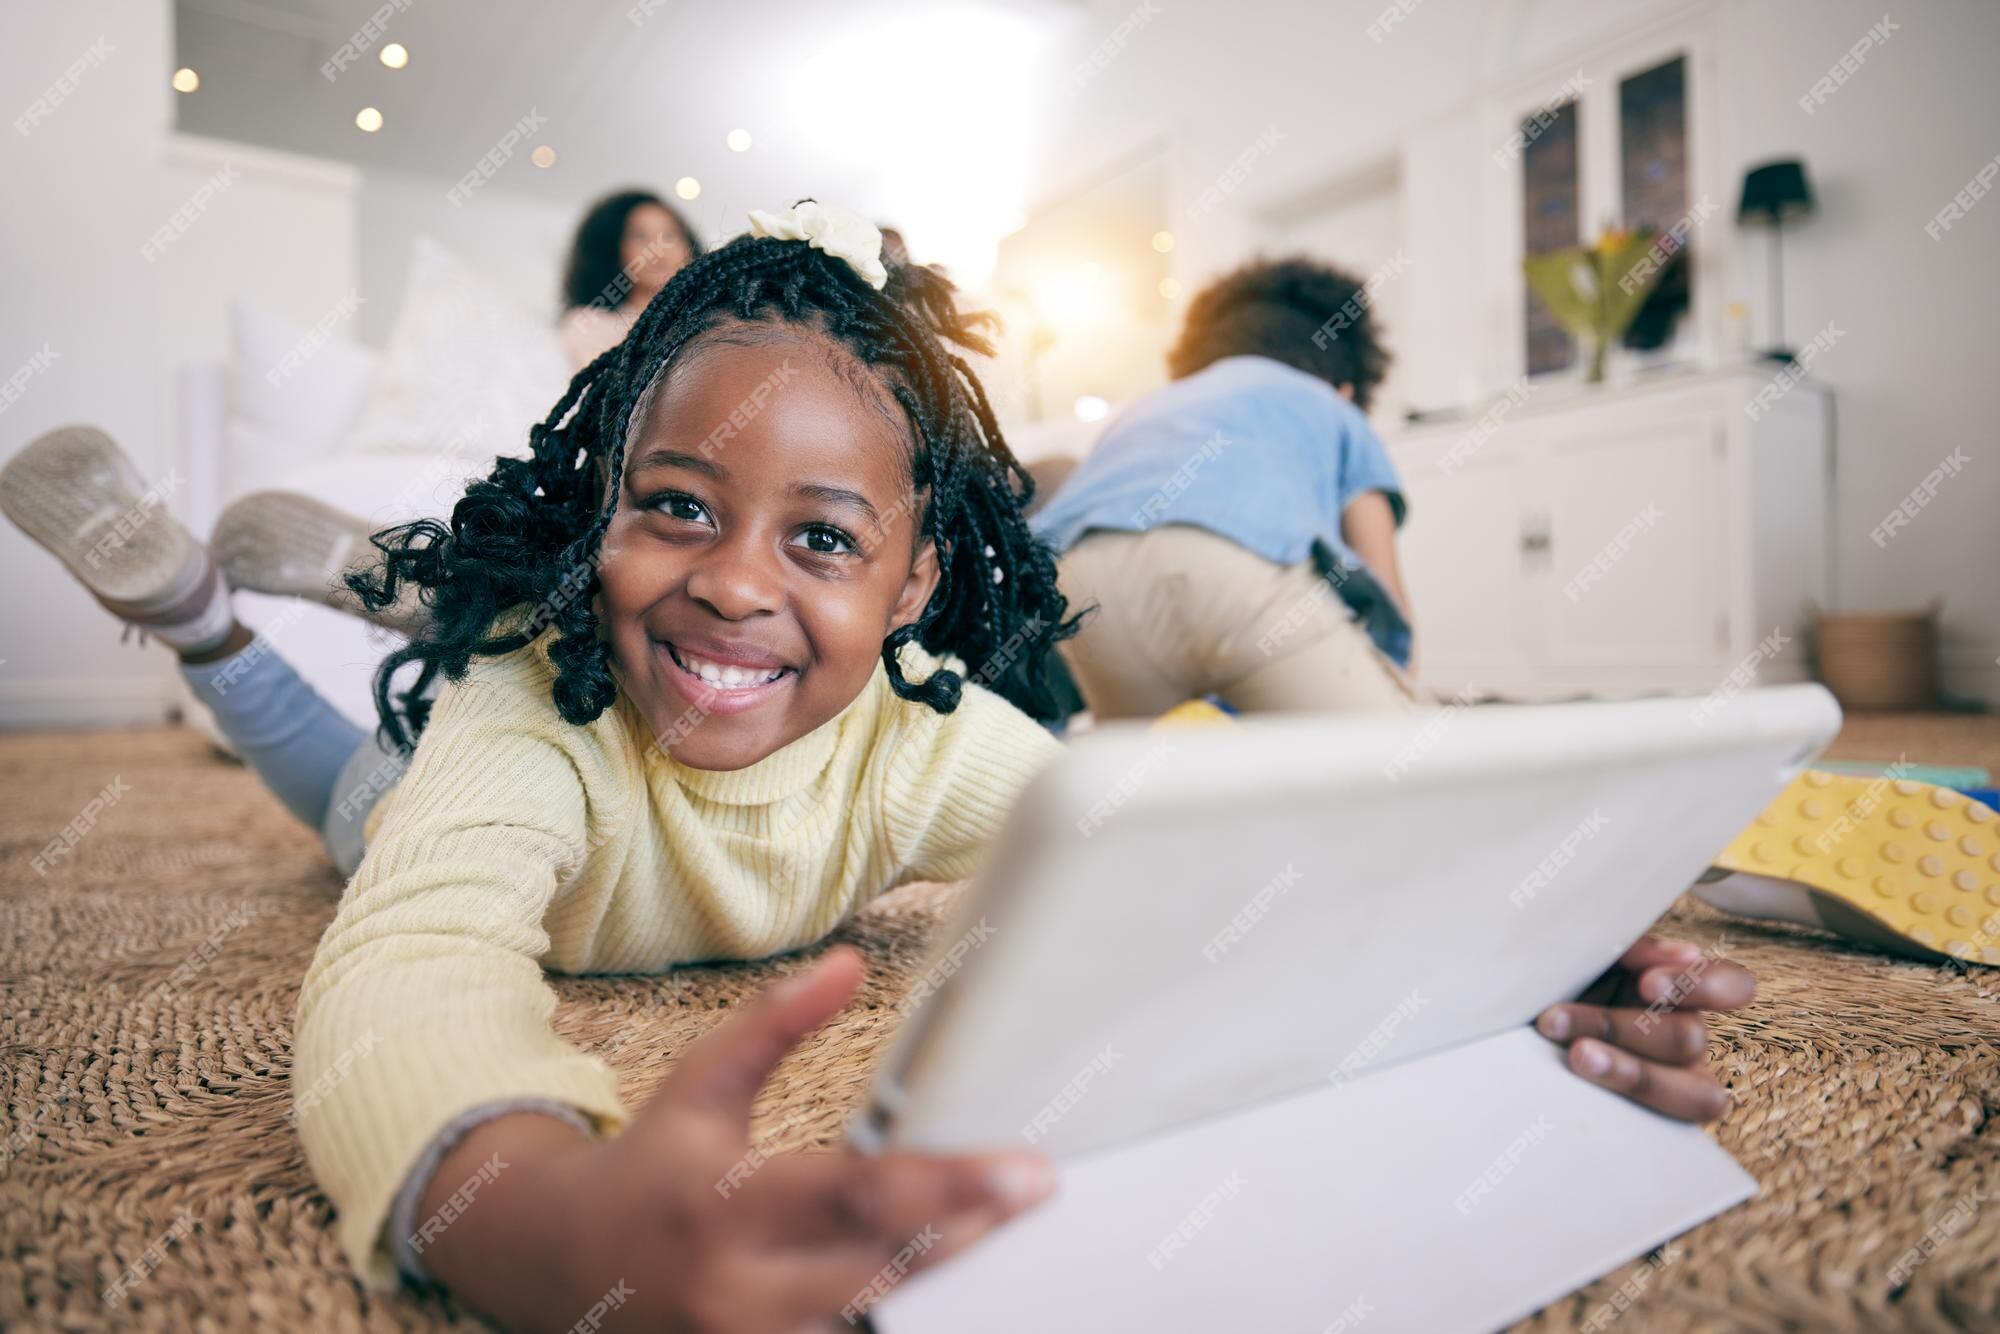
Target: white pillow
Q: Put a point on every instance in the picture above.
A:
(467, 370)
(293, 395)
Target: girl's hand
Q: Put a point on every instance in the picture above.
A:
(1635, 1030)
(679, 1224)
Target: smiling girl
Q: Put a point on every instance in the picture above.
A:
(695, 680)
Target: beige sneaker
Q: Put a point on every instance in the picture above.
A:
(292, 545)
(77, 495)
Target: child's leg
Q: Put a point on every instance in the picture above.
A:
(1127, 658)
(78, 495)
(296, 741)
(1186, 613)
(366, 777)
(1337, 670)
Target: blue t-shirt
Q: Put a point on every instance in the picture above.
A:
(1248, 448)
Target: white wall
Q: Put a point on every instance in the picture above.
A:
(82, 198)
(89, 185)
(280, 238)
(518, 241)
(1914, 369)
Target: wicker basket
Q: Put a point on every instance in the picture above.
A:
(1878, 660)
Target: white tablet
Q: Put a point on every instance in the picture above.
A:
(1298, 953)
(1186, 921)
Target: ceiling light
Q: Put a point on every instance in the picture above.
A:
(543, 156)
(368, 120)
(1163, 241)
(1170, 288)
(739, 141)
(395, 55)
(687, 187)
(1091, 408)
(186, 80)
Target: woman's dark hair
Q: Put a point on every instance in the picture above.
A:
(526, 538)
(595, 274)
(1308, 315)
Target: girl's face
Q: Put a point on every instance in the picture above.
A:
(765, 542)
(652, 251)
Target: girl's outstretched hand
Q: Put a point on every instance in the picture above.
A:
(681, 1224)
(1638, 1031)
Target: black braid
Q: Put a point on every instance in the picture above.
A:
(519, 555)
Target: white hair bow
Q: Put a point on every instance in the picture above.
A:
(840, 232)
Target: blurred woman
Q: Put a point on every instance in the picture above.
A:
(626, 248)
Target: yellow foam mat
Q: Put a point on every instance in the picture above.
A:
(1923, 861)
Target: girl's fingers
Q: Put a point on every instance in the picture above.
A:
(844, 1199)
(1687, 1093)
(1720, 986)
(850, 1277)
(1658, 951)
(1619, 985)
(722, 1071)
(1671, 1036)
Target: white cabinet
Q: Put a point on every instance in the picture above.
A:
(1617, 540)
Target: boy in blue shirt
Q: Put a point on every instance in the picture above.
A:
(1237, 527)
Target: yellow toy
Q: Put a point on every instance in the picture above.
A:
(1918, 864)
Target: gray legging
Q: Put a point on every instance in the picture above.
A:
(327, 771)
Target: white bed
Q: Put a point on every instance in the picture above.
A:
(391, 436)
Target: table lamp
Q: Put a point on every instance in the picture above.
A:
(1773, 193)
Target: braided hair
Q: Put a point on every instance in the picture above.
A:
(528, 535)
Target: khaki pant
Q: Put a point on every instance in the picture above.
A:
(1182, 612)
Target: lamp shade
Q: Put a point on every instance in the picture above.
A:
(1775, 191)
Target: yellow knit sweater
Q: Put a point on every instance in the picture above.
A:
(517, 842)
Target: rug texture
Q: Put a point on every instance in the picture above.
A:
(147, 983)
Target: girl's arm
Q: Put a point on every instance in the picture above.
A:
(426, 997)
(682, 1223)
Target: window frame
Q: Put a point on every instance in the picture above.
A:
(1600, 185)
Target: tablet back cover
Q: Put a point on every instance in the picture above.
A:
(1459, 1192)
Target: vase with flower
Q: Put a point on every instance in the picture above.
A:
(1595, 291)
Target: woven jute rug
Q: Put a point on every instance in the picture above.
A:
(147, 983)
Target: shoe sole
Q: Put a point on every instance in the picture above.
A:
(77, 495)
(1920, 860)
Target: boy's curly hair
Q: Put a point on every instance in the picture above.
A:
(1308, 315)
(527, 536)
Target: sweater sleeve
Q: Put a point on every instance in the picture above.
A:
(953, 779)
(426, 997)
